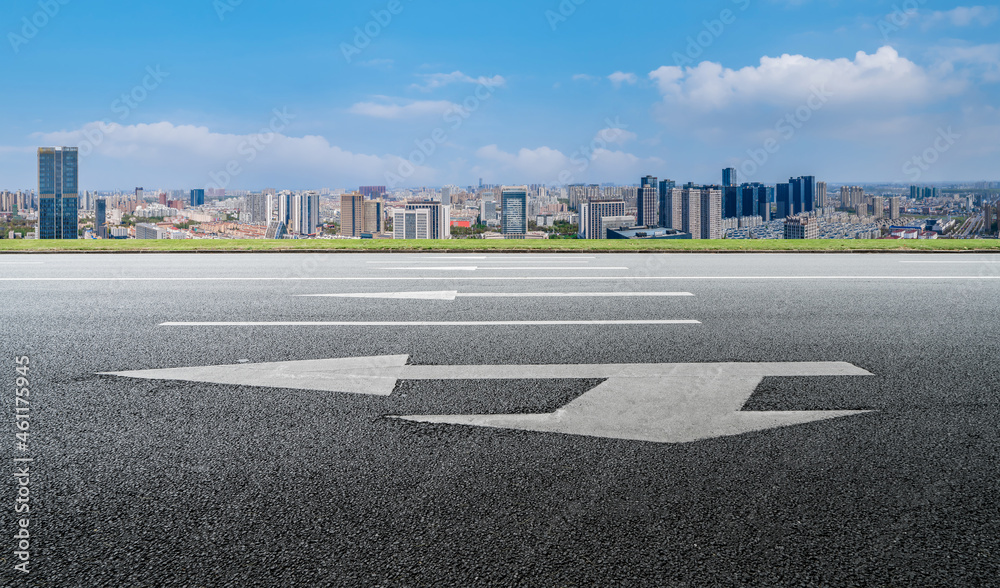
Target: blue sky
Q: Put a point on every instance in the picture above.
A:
(251, 94)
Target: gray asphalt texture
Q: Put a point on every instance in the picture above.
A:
(150, 483)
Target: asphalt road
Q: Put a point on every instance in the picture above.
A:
(168, 483)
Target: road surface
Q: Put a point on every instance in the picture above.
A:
(483, 430)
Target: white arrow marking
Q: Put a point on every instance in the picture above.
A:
(451, 295)
(662, 403)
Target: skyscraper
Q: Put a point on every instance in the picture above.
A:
(374, 217)
(197, 197)
(101, 218)
(732, 202)
(352, 214)
(729, 177)
(894, 207)
(821, 201)
(58, 191)
(648, 203)
(514, 213)
(784, 200)
(803, 194)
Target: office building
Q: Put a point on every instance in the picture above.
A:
(374, 217)
(732, 202)
(197, 198)
(411, 223)
(101, 218)
(801, 227)
(648, 202)
(514, 212)
(352, 214)
(305, 213)
(593, 215)
(58, 191)
(802, 194)
(148, 231)
(439, 218)
(729, 177)
(487, 211)
(446, 196)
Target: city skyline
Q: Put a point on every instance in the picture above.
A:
(858, 93)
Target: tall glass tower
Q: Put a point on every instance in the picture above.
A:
(58, 192)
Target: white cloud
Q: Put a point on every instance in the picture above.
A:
(547, 165)
(618, 78)
(964, 16)
(402, 111)
(440, 80)
(583, 78)
(983, 60)
(881, 78)
(615, 136)
(186, 155)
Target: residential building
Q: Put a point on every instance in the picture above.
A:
(305, 213)
(648, 203)
(352, 214)
(801, 227)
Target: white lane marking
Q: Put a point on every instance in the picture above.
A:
(451, 295)
(950, 262)
(22, 263)
(494, 279)
(425, 323)
(486, 259)
(661, 403)
(477, 268)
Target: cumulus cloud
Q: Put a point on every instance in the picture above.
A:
(194, 156)
(618, 78)
(440, 80)
(392, 111)
(882, 77)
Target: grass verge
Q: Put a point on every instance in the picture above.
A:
(471, 246)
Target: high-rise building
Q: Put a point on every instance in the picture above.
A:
(821, 201)
(783, 199)
(732, 202)
(374, 217)
(851, 196)
(729, 177)
(352, 214)
(305, 213)
(101, 218)
(894, 212)
(878, 206)
(514, 213)
(711, 212)
(487, 211)
(593, 214)
(580, 194)
(803, 194)
(669, 206)
(648, 203)
(254, 209)
(285, 208)
(197, 198)
(446, 196)
(58, 191)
